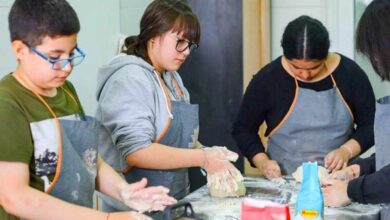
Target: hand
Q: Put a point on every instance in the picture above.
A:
(224, 181)
(143, 199)
(346, 174)
(221, 173)
(270, 169)
(218, 159)
(222, 153)
(335, 193)
(127, 215)
(336, 159)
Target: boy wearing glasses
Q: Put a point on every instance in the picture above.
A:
(49, 165)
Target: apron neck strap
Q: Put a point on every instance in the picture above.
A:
(57, 123)
(166, 95)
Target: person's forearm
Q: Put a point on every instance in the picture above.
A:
(108, 181)
(352, 147)
(158, 156)
(29, 203)
(19, 199)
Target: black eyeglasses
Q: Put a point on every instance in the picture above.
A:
(183, 44)
(59, 64)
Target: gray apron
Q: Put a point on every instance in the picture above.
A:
(180, 134)
(382, 141)
(76, 181)
(318, 123)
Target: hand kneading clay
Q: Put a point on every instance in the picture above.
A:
(214, 192)
(322, 173)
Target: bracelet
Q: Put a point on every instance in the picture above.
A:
(349, 151)
(108, 216)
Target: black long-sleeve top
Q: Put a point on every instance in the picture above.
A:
(271, 93)
(370, 187)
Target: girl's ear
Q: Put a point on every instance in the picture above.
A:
(19, 48)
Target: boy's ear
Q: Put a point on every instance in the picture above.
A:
(19, 48)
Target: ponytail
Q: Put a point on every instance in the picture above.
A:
(134, 46)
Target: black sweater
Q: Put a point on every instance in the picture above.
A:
(371, 186)
(271, 92)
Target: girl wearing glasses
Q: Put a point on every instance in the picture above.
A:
(143, 103)
(318, 105)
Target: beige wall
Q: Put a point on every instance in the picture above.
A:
(256, 20)
(256, 29)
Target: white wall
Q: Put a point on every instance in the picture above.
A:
(337, 16)
(101, 25)
(98, 38)
(7, 61)
(131, 13)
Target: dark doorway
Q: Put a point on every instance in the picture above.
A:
(213, 74)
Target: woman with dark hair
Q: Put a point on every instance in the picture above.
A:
(143, 103)
(367, 180)
(318, 106)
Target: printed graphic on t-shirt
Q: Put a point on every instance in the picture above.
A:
(89, 159)
(45, 136)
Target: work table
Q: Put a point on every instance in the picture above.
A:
(280, 192)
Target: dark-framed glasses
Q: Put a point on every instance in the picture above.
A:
(59, 64)
(183, 44)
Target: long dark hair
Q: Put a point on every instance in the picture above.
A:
(305, 38)
(159, 17)
(373, 36)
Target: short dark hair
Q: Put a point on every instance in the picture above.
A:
(373, 36)
(305, 38)
(32, 20)
(159, 17)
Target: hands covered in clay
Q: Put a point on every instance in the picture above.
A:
(270, 169)
(142, 198)
(346, 174)
(221, 173)
(335, 192)
(335, 186)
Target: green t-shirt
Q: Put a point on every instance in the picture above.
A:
(27, 128)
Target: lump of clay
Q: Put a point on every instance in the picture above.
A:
(298, 174)
(214, 192)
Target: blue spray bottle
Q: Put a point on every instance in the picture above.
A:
(310, 202)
